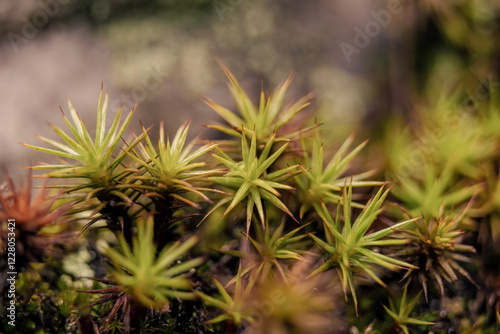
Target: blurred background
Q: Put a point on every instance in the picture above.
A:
(367, 61)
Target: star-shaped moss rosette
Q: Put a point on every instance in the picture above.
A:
(143, 278)
(465, 148)
(24, 216)
(436, 248)
(169, 170)
(94, 159)
(250, 181)
(149, 277)
(349, 248)
(439, 188)
(269, 248)
(319, 184)
(275, 246)
(269, 118)
(236, 309)
(452, 135)
(30, 214)
(401, 315)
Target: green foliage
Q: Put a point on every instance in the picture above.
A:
(270, 247)
(319, 183)
(454, 136)
(170, 170)
(236, 308)
(150, 278)
(47, 301)
(250, 180)
(263, 122)
(350, 248)
(94, 159)
(438, 188)
(402, 315)
(280, 284)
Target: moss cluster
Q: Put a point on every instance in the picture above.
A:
(269, 231)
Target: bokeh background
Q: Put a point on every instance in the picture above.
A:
(367, 61)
